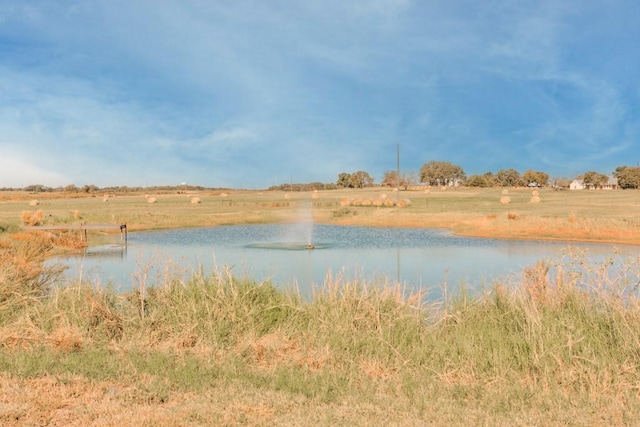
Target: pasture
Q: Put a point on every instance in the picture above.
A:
(589, 215)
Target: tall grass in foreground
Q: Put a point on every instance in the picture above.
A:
(563, 345)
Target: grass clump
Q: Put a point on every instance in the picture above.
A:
(215, 309)
(23, 277)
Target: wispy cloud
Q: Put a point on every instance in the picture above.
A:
(251, 93)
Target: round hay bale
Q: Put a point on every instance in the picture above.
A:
(505, 191)
(389, 203)
(356, 202)
(36, 219)
(34, 202)
(25, 217)
(151, 200)
(402, 203)
(383, 196)
(366, 202)
(535, 199)
(345, 202)
(505, 200)
(377, 202)
(408, 202)
(195, 200)
(223, 195)
(287, 196)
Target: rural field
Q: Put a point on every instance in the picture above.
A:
(597, 215)
(557, 349)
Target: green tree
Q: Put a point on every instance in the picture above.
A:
(37, 188)
(628, 177)
(543, 178)
(478, 181)
(535, 178)
(490, 177)
(508, 178)
(441, 173)
(357, 179)
(344, 180)
(595, 179)
(90, 188)
(361, 179)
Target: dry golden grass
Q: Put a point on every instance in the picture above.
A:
(604, 216)
(31, 218)
(75, 401)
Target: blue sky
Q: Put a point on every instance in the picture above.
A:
(253, 93)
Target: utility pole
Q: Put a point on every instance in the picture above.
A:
(397, 172)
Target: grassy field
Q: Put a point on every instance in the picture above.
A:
(561, 348)
(611, 216)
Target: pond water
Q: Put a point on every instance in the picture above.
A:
(431, 259)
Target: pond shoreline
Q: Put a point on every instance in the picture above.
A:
(520, 229)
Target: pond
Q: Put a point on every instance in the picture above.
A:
(432, 259)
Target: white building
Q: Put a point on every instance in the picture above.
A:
(578, 184)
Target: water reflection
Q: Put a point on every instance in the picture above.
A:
(425, 258)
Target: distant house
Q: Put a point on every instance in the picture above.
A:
(612, 184)
(578, 184)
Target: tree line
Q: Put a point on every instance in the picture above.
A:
(440, 173)
(446, 174)
(434, 173)
(92, 189)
